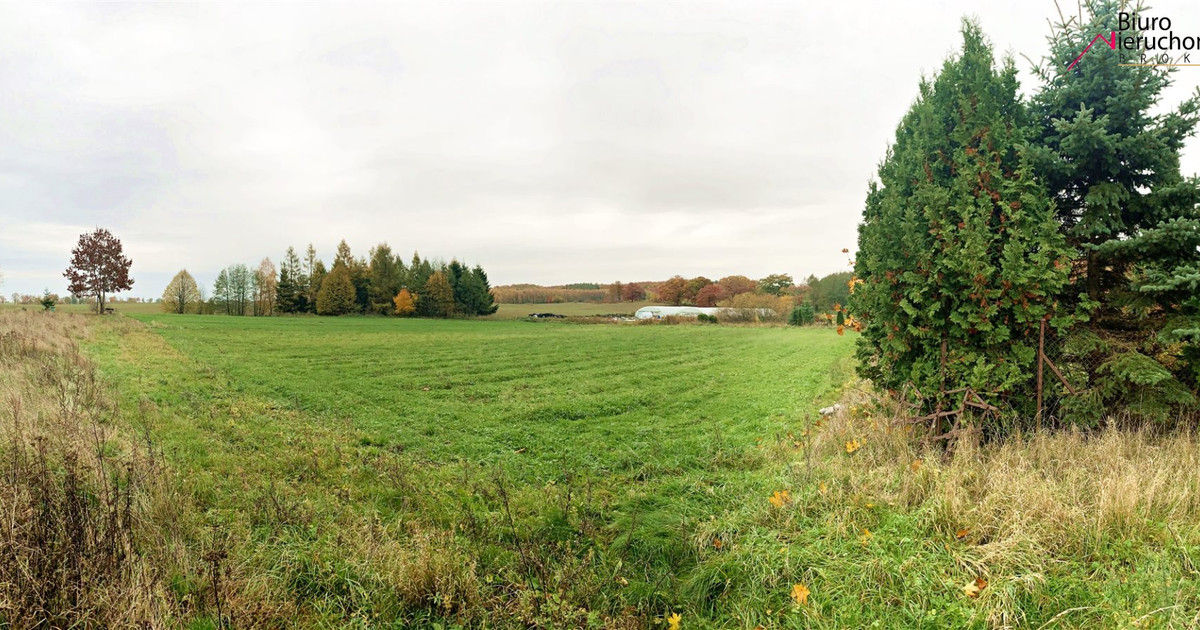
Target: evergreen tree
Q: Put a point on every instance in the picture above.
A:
(336, 296)
(484, 303)
(1111, 162)
(359, 275)
(958, 249)
(314, 271)
(292, 283)
(455, 273)
(315, 280)
(386, 278)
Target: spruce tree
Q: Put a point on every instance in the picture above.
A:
(958, 249)
(1111, 162)
(291, 283)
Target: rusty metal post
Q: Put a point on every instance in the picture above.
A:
(1041, 359)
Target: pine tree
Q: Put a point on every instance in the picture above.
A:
(314, 271)
(958, 249)
(336, 296)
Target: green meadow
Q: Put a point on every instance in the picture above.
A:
(597, 448)
(365, 472)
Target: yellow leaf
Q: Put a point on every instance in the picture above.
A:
(673, 621)
(822, 488)
(780, 498)
(916, 465)
(853, 445)
(973, 588)
(866, 536)
(800, 594)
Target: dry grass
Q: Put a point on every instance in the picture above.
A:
(1025, 506)
(73, 489)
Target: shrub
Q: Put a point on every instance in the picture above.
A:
(802, 315)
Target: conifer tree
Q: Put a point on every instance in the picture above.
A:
(386, 277)
(336, 296)
(404, 303)
(958, 248)
(291, 283)
(314, 271)
(1110, 159)
(437, 300)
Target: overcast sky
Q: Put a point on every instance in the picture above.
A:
(551, 143)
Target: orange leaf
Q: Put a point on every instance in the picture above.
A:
(962, 533)
(800, 594)
(916, 465)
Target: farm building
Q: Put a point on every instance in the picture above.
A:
(659, 312)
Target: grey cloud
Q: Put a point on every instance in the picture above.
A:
(551, 142)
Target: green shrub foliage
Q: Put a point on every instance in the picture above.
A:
(802, 315)
(959, 247)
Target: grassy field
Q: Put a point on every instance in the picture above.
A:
(369, 472)
(569, 309)
(602, 447)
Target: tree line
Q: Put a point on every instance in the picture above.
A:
(821, 294)
(379, 284)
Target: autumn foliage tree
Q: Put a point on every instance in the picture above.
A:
(98, 267)
(437, 300)
(710, 295)
(633, 292)
(266, 284)
(405, 303)
(736, 285)
(337, 295)
(182, 294)
(672, 291)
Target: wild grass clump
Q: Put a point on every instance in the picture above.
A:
(74, 491)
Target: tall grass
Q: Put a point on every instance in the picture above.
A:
(74, 491)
